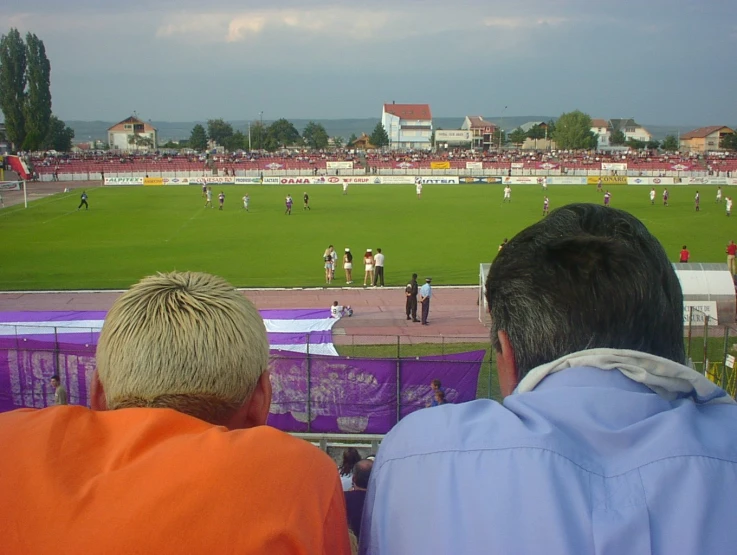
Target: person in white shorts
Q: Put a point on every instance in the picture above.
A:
(345, 187)
(246, 200)
(507, 194)
(418, 188)
(348, 265)
(545, 183)
(719, 194)
(729, 205)
(652, 195)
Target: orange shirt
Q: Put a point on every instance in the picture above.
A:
(157, 481)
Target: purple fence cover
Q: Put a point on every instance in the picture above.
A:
(363, 395)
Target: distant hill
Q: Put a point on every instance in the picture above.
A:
(87, 130)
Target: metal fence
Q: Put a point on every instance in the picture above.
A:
(711, 349)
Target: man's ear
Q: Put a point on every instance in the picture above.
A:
(255, 411)
(506, 366)
(97, 394)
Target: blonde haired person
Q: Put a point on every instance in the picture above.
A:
(180, 400)
(368, 264)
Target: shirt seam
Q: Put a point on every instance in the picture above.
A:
(574, 463)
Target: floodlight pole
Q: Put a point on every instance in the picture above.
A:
(25, 194)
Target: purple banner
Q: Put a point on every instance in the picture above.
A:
(360, 395)
(346, 394)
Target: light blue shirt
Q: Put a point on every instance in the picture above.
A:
(588, 462)
(426, 291)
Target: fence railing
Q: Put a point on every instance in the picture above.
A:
(711, 349)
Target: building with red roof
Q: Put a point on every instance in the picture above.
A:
(409, 126)
(132, 134)
(705, 139)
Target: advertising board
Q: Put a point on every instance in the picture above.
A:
(212, 180)
(474, 165)
(247, 180)
(342, 165)
(452, 136)
(480, 180)
(123, 181)
(614, 166)
(429, 180)
(706, 307)
(522, 180)
(607, 180)
(439, 165)
(176, 181)
(153, 181)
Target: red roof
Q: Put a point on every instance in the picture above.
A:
(599, 123)
(409, 111)
(478, 122)
(703, 132)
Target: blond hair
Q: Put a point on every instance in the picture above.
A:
(186, 341)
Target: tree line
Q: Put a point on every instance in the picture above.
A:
(25, 95)
(279, 134)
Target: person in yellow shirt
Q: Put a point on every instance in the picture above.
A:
(174, 456)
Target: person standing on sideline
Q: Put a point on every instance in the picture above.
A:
(208, 196)
(221, 200)
(697, 200)
(60, 392)
(246, 201)
(83, 197)
(719, 195)
(368, 267)
(731, 252)
(327, 258)
(418, 187)
(606, 441)
(410, 305)
(425, 295)
(665, 197)
(507, 194)
(288, 202)
(348, 266)
(379, 268)
(306, 199)
(684, 255)
(652, 196)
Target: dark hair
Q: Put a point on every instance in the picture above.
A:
(349, 256)
(378, 250)
(362, 473)
(585, 277)
(350, 457)
(414, 276)
(440, 394)
(684, 246)
(56, 377)
(436, 382)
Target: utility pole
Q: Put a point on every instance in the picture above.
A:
(501, 129)
(261, 134)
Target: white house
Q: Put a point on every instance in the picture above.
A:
(409, 126)
(482, 132)
(631, 129)
(600, 128)
(132, 134)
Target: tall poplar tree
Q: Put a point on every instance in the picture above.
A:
(37, 106)
(13, 86)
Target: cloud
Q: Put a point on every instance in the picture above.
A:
(514, 23)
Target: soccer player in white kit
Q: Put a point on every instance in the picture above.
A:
(719, 194)
(652, 195)
(729, 205)
(418, 188)
(345, 187)
(545, 183)
(507, 194)
(246, 200)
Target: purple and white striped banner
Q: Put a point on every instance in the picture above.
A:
(296, 330)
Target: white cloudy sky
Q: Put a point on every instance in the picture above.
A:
(661, 61)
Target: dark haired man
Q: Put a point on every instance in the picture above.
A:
(410, 292)
(606, 442)
(60, 392)
(355, 498)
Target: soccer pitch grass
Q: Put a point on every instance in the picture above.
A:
(130, 232)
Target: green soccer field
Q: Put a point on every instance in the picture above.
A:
(130, 232)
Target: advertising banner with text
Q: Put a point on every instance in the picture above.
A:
(522, 180)
(480, 179)
(474, 165)
(339, 165)
(650, 181)
(607, 180)
(176, 181)
(153, 181)
(614, 166)
(212, 180)
(453, 136)
(123, 181)
(566, 180)
(247, 180)
(439, 165)
(10, 186)
(426, 180)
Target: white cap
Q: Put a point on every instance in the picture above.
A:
(369, 250)
(347, 249)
